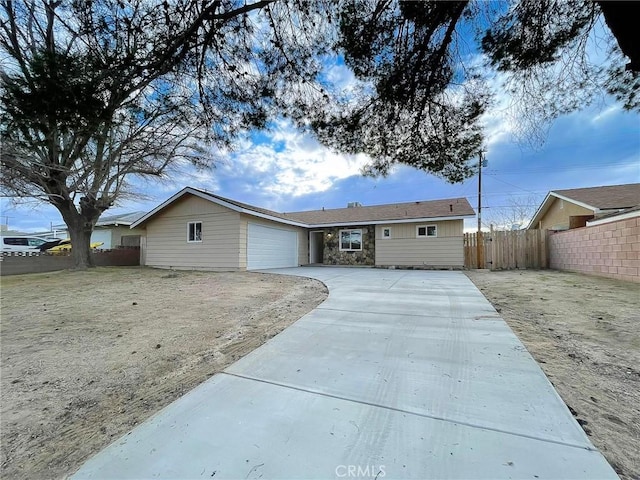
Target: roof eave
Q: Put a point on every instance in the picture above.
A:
(574, 201)
(285, 221)
(546, 203)
(542, 209)
(212, 199)
(623, 215)
(389, 222)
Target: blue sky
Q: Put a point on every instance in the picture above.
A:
(286, 171)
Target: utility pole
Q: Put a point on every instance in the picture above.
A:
(480, 161)
(480, 240)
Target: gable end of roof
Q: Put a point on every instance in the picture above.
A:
(430, 210)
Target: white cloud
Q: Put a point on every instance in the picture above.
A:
(606, 113)
(291, 163)
(342, 79)
(499, 121)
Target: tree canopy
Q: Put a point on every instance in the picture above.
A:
(98, 92)
(423, 92)
(95, 93)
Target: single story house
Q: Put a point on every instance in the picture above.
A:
(195, 229)
(112, 230)
(568, 209)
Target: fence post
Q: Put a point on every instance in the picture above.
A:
(544, 247)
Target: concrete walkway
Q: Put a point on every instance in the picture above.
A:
(398, 374)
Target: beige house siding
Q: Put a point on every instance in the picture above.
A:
(224, 239)
(404, 248)
(167, 246)
(557, 216)
(303, 238)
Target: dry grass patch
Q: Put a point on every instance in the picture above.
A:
(88, 355)
(584, 332)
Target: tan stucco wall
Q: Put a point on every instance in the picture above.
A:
(303, 238)
(557, 216)
(166, 242)
(404, 248)
(224, 244)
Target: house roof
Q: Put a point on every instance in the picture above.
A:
(611, 197)
(617, 215)
(426, 209)
(121, 219)
(124, 219)
(599, 199)
(429, 210)
(15, 233)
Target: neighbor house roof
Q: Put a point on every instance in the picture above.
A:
(632, 212)
(121, 219)
(124, 219)
(599, 199)
(16, 233)
(429, 210)
(611, 197)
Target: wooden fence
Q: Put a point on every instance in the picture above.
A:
(506, 250)
(17, 263)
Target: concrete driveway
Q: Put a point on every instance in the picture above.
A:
(398, 374)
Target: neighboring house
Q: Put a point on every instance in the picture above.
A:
(568, 209)
(113, 231)
(195, 229)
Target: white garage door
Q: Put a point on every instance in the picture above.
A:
(269, 247)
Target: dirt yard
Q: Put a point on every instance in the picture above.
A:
(88, 355)
(584, 332)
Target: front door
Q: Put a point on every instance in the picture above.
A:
(316, 246)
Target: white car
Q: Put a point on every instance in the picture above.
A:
(21, 244)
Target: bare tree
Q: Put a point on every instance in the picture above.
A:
(97, 93)
(516, 214)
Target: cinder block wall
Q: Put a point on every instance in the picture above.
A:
(609, 250)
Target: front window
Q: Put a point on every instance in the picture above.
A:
(426, 231)
(194, 232)
(350, 240)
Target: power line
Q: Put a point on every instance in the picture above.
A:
(511, 206)
(603, 165)
(511, 194)
(530, 192)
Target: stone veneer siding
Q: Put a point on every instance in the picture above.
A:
(609, 250)
(333, 256)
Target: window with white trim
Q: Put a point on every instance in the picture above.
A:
(194, 232)
(386, 233)
(351, 240)
(426, 231)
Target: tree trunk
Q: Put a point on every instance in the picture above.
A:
(81, 246)
(80, 225)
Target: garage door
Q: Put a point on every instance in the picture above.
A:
(269, 247)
